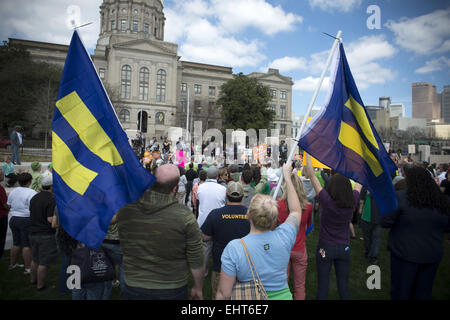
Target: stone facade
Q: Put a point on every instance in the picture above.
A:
(147, 81)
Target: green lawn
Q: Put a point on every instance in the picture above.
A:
(14, 285)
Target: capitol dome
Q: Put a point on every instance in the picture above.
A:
(138, 19)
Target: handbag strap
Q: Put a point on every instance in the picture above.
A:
(248, 257)
(252, 267)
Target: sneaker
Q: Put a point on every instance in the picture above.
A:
(27, 271)
(116, 283)
(12, 267)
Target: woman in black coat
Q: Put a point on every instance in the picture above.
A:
(417, 235)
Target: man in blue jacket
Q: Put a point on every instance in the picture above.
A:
(16, 142)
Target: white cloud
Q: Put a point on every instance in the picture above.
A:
(224, 51)
(236, 15)
(182, 15)
(363, 56)
(371, 73)
(424, 34)
(437, 64)
(310, 84)
(287, 64)
(206, 30)
(318, 61)
(48, 21)
(367, 49)
(208, 35)
(229, 16)
(335, 5)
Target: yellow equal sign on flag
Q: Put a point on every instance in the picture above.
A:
(315, 163)
(350, 138)
(88, 129)
(361, 118)
(73, 173)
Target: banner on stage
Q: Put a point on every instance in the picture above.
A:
(260, 152)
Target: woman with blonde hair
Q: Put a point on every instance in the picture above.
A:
(223, 177)
(269, 249)
(298, 261)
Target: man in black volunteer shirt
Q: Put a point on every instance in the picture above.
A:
(223, 225)
(42, 234)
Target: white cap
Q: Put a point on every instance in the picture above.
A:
(47, 179)
(273, 177)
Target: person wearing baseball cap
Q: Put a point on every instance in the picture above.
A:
(225, 224)
(42, 232)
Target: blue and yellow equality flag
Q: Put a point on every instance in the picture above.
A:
(342, 137)
(95, 171)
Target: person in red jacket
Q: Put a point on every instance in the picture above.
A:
(298, 261)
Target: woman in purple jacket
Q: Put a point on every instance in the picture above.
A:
(338, 202)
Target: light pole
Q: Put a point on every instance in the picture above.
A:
(46, 114)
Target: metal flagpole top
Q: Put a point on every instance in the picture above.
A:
(337, 38)
(84, 25)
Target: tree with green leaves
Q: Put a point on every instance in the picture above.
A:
(29, 89)
(244, 103)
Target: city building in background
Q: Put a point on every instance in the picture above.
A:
(384, 102)
(397, 110)
(445, 104)
(425, 101)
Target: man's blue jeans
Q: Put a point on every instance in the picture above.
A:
(15, 154)
(114, 251)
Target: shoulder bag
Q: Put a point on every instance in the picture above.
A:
(95, 265)
(250, 290)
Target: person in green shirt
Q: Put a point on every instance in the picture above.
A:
(370, 225)
(319, 177)
(259, 182)
(36, 183)
(9, 171)
(161, 243)
(234, 172)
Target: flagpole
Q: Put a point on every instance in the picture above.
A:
(187, 113)
(101, 82)
(311, 104)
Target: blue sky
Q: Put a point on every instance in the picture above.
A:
(287, 35)
(412, 44)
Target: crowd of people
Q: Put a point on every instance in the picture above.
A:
(162, 150)
(199, 213)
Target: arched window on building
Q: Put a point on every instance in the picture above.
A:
(143, 83)
(125, 92)
(161, 86)
(124, 115)
(142, 117)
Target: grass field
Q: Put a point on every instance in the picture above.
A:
(14, 285)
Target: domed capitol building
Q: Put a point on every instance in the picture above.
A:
(148, 82)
